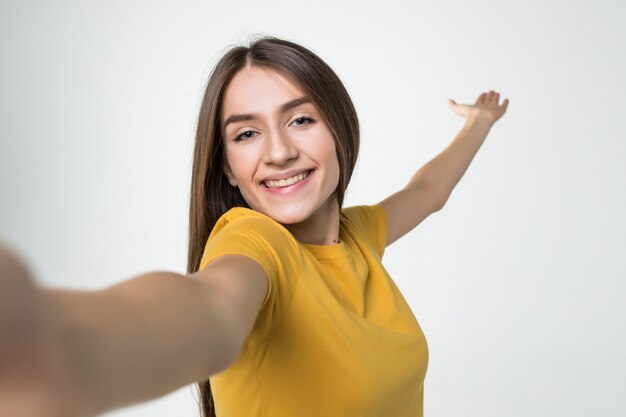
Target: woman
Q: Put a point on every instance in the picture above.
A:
(289, 310)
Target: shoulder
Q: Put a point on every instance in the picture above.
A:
(246, 231)
(370, 222)
(365, 214)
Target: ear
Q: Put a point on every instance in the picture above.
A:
(229, 174)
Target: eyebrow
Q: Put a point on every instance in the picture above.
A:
(283, 108)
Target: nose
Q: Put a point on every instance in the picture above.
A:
(279, 148)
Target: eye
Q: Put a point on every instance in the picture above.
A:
(248, 134)
(301, 121)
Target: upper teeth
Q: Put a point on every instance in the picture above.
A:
(287, 181)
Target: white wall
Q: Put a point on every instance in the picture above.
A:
(518, 282)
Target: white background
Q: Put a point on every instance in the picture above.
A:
(518, 283)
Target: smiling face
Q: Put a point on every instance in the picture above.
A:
(278, 149)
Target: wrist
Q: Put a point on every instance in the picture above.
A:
(480, 121)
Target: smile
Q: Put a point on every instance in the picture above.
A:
(287, 181)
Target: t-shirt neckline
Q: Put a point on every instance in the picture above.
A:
(334, 251)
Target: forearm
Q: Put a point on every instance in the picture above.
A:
(447, 168)
(137, 340)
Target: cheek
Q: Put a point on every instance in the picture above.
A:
(242, 167)
(332, 166)
(337, 171)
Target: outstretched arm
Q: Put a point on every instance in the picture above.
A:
(431, 186)
(80, 353)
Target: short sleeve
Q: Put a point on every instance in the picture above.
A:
(246, 232)
(371, 223)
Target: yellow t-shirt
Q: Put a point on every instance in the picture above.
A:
(334, 337)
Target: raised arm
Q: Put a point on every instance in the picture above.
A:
(146, 336)
(431, 186)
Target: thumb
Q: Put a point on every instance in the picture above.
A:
(458, 109)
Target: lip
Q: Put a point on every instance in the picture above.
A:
(285, 175)
(290, 189)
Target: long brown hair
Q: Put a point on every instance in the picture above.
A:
(211, 194)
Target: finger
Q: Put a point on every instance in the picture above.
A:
(490, 96)
(496, 98)
(505, 104)
(481, 99)
(454, 106)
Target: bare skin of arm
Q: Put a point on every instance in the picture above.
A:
(132, 342)
(430, 188)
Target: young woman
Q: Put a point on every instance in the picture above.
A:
(286, 308)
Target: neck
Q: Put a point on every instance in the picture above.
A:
(321, 228)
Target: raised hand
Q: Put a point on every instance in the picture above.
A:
(486, 107)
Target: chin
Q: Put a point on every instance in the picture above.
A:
(290, 215)
(289, 218)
